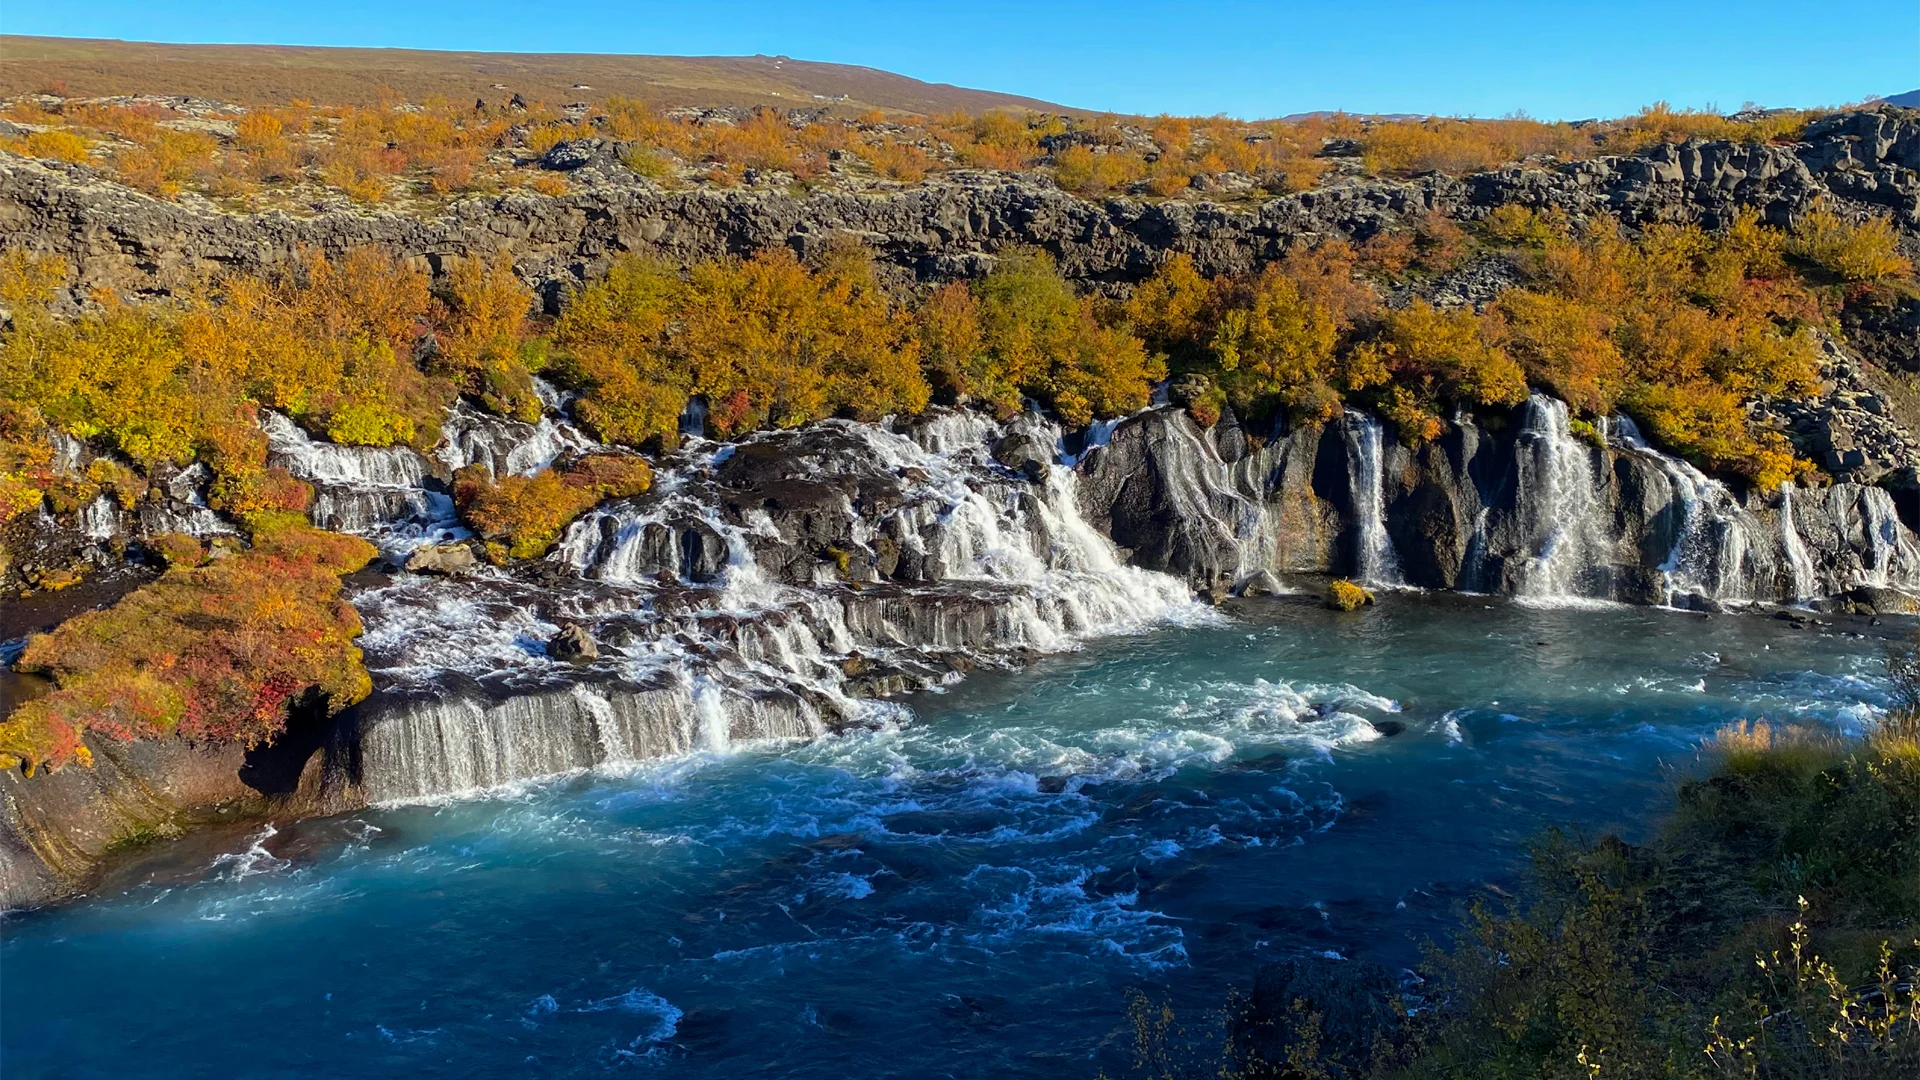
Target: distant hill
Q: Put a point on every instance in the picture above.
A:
(276, 74)
(1910, 99)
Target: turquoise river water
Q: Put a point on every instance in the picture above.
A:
(975, 893)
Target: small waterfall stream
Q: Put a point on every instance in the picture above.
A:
(1558, 489)
(1374, 558)
(1798, 563)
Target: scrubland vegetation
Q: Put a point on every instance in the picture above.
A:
(217, 648)
(1678, 327)
(1770, 928)
(436, 148)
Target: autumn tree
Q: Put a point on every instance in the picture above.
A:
(1272, 342)
(1047, 343)
(613, 337)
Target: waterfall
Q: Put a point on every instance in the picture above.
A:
(714, 722)
(1713, 554)
(185, 509)
(357, 489)
(100, 519)
(335, 463)
(507, 447)
(1798, 563)
(1374, 559)
(727, 612)
(1720, 552)
(1885, 550)
(1558, 488)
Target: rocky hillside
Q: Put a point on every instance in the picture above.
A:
(951, 226)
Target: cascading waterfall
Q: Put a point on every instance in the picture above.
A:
(1374, 558)
(507, 447)
(1204, 488)
(1798, 563)
(698, 632)
(100, 519)
(357, 489)
(1557, 484)
(738, 602)
(1713, 553)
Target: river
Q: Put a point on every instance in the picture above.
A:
(975, 892)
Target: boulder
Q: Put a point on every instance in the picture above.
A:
(1875, 600)
(442, 559)
(1262, 583)
(1025, 452)
(574, 644)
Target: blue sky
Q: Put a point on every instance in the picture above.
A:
(1553, 60)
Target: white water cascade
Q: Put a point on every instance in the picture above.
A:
(1557, 479)
(1375, 560)
(357, 489)
(1868, 520)
(1718, 551)
(507, 447)
(721, 626)
(1799, 564)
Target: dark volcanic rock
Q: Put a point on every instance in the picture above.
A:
(952, 225)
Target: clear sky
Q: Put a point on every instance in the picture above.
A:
(1553, 60)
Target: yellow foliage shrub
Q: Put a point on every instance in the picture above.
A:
(1275, 343)
(525, 514)
(57, 146)
(1864, 251)
(1044, 342)
(1082, 171)
(1344, 595)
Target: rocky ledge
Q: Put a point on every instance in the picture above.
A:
(950, 226)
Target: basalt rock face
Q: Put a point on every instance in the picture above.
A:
(56, 828)
(1517, 506)
(949, 226)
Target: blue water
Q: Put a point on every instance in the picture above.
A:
(973, 894)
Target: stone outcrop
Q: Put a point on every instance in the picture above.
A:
(949, 226)
(57, 828)
(1860, 428)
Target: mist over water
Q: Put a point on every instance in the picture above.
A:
(974, 892)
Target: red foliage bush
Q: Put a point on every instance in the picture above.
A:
(206, 652)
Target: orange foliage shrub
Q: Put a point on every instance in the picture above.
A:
(522, 516)
(1082, 171)
(766, 341)
(208, 652)
(1447, 353)
(330, 343)
(484, 336)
